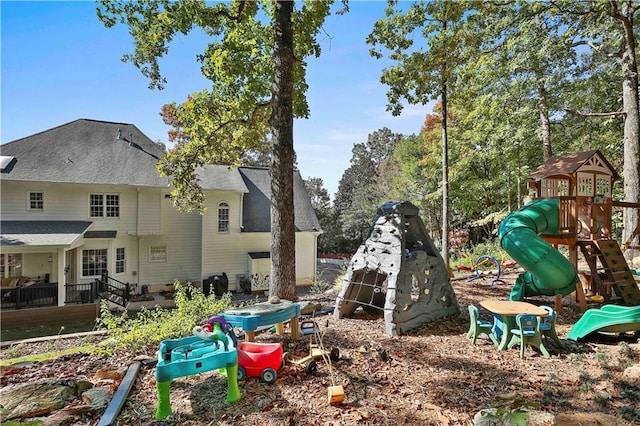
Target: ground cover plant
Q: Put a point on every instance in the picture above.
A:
(432, 376)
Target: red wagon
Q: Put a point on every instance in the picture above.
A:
(259, 360)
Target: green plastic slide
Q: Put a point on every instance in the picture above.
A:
(548, 272)
(609, 318)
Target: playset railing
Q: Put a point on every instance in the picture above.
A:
(568, 215)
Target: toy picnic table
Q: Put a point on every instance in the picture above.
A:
(504, 316)
(250, 317)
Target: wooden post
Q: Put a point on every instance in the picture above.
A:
(558, 304)
(580, 286)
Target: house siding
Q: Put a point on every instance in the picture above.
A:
(306, 253)
(68, 202)
(181, 235)
(223, 252)
(149, 213)
(71, 202)
(229, 252)
(64, 164)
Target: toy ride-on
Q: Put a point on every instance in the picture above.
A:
(316, 349)
(260, 360)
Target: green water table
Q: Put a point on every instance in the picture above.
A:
(192, 355)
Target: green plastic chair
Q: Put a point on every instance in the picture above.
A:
(548, 326)
(527, 333)
(478, 327)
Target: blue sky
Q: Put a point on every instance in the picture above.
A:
(59, 63)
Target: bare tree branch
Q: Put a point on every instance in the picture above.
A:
(594, 114)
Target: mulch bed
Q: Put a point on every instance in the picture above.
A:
(433, 376)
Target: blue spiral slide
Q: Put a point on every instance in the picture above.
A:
(548, 272)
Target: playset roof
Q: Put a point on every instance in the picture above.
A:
(568, 164)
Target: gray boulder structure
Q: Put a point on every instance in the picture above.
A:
(399, 271)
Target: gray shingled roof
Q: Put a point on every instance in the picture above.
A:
(86, 151)
(101, 152)
(222, 178)
(256, 215)
(41, 232)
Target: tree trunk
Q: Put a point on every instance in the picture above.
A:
(445, 179)
(631, 123)
(283, 266)
(545, 124)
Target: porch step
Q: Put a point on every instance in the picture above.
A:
(118, 300)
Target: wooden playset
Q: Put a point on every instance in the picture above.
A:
(583, 184)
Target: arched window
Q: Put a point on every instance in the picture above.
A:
(223, 217)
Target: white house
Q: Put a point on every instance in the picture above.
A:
(85, 198)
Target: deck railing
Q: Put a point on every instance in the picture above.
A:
(36, 295)
(116, 291)
(81, 293)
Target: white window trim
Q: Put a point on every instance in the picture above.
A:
(104, 205)
(228, 207)
(82, 261)
(152, 260)
(115, 261)
(29, 208)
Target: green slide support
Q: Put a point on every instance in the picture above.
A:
(609, 318)
(548, 272)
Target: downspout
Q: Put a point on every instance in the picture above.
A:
(241, 230)
(241, 211)
(137, 276)
(315, 255)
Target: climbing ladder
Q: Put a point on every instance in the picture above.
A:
(610, 273)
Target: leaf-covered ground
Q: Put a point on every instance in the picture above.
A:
(433, 376)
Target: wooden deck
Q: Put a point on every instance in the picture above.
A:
(48, 315)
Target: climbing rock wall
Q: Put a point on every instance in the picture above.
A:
(399, 271)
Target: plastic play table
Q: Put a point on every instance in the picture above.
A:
(250, 317)
(504, 316)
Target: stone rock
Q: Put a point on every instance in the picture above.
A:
(59, 418)
(632, 374)
(274, 299)
(97, 397)
(307, 308)
(83, 385)
(535, 418)
(27, 400)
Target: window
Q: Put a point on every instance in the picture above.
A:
(158, 254)
(104, 205)
(120, 260)
(36, 200)
(94, 262)
(585, 184)
(603, 186)
(553, 187)
(223, 217)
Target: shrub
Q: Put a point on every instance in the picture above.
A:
(150, 326)
(320, 285)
